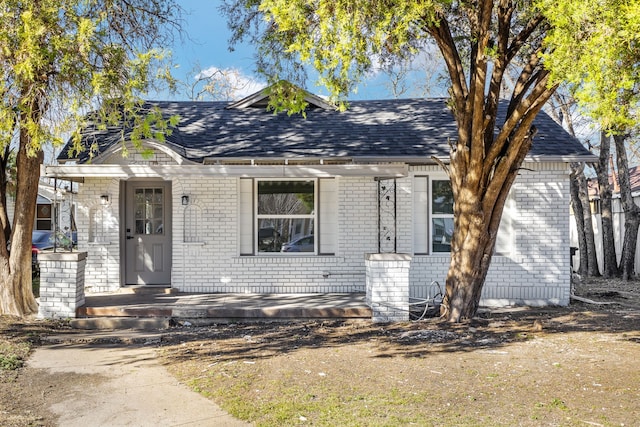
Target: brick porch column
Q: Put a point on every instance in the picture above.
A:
(387, 280)
(61, 284)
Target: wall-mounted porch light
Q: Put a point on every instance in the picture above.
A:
(185, 200)
(104, 199)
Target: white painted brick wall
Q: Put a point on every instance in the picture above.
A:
(61, 284)
(387, 285)
(537, 271)
(99, 233)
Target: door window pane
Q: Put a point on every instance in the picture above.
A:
(149, 210)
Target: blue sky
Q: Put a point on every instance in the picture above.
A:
(207, 46)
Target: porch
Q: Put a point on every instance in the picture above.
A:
(148, 308)
(62, 295)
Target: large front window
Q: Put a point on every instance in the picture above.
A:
(285, 215)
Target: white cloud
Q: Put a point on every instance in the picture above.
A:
(227, 83)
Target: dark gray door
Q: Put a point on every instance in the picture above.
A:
(147, 252)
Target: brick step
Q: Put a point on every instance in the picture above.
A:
(147, 290)
(191, 312)
(112, 323)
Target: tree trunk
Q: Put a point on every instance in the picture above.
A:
(576, 205)
(592, 255)
(471, 252)
(4, 217)
(489, 151)
(16, 294)
(610, 268)
(479, 196)
(631, 211)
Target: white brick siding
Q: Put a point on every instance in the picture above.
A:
(388, 286)
(206, 243)
(99, 233)
(61, 284)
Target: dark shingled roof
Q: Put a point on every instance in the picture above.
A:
(388, 129)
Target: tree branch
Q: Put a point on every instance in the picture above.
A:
(441, 32)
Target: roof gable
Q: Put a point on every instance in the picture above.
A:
(260, 99)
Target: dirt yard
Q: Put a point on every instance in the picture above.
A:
(575, 366)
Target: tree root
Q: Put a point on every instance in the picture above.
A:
(590, 301)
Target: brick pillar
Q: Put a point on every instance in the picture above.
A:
(388, 286)
(61, 284)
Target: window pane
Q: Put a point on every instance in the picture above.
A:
(441, 234)
(442, 198)
(285, 197)
(285, 235)
(149, 211)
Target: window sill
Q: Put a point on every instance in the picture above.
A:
(269, 259)
(496, 259)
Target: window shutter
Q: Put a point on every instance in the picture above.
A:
(246, 217)
(504, 239)
(328, 216)
(420, 215)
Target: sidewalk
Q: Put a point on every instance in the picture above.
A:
(120, 385)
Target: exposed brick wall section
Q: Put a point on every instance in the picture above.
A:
(61, 284)
(538, 271)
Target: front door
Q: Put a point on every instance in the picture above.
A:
(147, 245)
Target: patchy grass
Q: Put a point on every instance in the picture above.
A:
(500, 370)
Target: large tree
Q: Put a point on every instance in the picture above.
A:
(59, 59)
(478, 41)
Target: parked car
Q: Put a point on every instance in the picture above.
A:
(301, 244)
(42, 240)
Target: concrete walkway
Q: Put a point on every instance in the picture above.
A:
(122, 386)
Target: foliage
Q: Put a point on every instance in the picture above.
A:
(343, 41)
(60, 59)
(595, 46)
(13, 354)
(601, 63)
(10, 362)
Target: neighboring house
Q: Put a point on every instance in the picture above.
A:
(55, 208)
(212, 209)
(618, 217)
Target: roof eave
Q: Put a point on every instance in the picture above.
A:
(569, 158)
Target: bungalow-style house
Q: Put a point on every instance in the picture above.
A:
(241, 200)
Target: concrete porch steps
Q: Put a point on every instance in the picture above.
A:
(159, 309)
